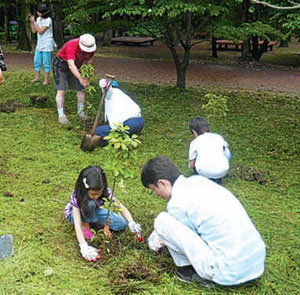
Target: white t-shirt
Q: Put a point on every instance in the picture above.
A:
(119, 107)
(210, 150)
(45, 41)
(215, 214)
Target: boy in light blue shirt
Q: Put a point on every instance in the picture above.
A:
(206, 229)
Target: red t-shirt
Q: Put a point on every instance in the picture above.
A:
(72, 51)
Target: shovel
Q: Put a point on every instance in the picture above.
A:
(91, 141)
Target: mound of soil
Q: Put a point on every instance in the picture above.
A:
(10, 106)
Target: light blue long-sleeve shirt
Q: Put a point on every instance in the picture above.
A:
(219, 218)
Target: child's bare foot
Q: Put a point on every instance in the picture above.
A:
(35, 80)
(45, 82)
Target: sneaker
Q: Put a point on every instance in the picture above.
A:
(63, 120)
(83, 116)
(188, 274)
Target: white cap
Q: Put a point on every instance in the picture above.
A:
(103, 83)
(87, 43)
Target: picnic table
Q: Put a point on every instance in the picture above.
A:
(230, 45)
(133, 40)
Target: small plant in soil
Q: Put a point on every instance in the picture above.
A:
(88, 71)
(216, 107)
(120, 161)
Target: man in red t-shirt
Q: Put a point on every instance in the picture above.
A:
(66, 65)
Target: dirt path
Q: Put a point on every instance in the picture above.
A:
(164, 72)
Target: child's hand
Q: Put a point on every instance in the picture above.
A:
(31, 18)
(89, 253)
(136, 228)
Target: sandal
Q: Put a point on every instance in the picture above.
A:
(87, 233)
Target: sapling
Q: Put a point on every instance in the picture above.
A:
(88, 71)
(216, 107)
(121, 158)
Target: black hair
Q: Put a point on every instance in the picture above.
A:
(44, 10)
(95, 179)
(157, 168)
(200, 125)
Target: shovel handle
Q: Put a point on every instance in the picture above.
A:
(99, 110)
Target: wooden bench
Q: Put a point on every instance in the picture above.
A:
(133, 40)
(230, 45)
(202, 35)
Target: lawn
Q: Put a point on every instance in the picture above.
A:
(40, 161)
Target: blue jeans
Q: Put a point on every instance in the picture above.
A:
(98, 217)
(42, 58)
(135, 124)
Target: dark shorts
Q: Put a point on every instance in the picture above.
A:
(62, 75)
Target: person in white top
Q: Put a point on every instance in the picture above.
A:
(119, 108)
(209, 154)
(206, 229)
(2, 65)
(45, 42)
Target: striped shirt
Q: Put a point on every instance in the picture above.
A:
(219, 218)
(73, 202)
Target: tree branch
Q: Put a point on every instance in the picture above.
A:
(296, 5)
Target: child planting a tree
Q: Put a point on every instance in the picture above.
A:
(84, 209)
(209, 154)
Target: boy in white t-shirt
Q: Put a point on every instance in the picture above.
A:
(209, 154)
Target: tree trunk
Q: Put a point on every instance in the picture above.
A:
(181, 77)
(284, 43)
(255, 52)
(107, 34)
(214, 52)
(262, 50)
(181, 66)
(24, 27)
(24, 42)
(6, 25)
(57, 25)
(245, 18)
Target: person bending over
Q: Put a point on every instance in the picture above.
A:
(206, 229)
(84, 209)
(209, 154)
(119, 108)
(66, 65)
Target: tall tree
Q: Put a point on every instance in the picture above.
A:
(24, 42)
(176, 22)
(57, 15)
(245, 19)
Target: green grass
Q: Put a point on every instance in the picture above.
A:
(40, 161)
